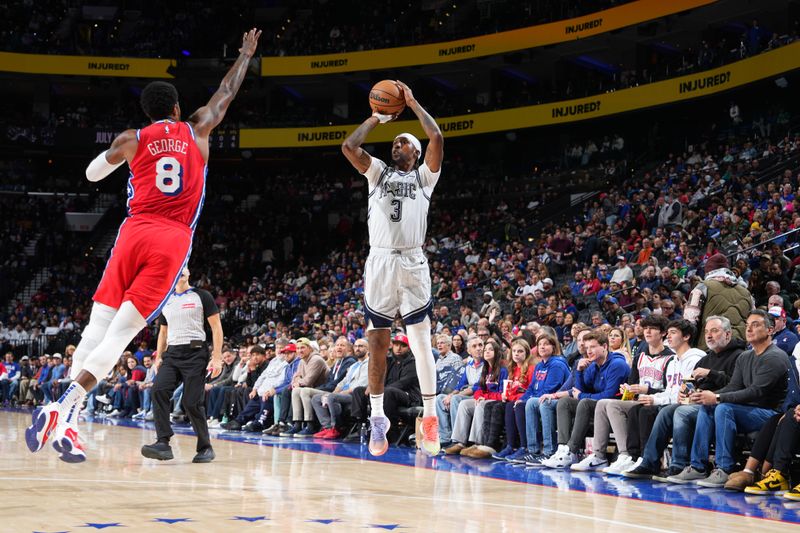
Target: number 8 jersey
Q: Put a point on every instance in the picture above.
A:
(398, 205)
(168, 173)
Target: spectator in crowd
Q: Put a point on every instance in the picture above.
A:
(312, 373)
(711, 372)
(9, 379)
(598, 376)
(254, 381)
(783, 337)
(448, 363)
(146, 390)
(490, 306)
(765, 452)
(647, 378)
(331, 407)
(447, 403)
(468, 426)
(401, 384)
(754, 393)
(217, 384)
(520, 375)
(721, 293)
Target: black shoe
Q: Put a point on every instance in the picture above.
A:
(205, 456)
(231, 425)
(159, 450)
(254, 426)
(640, 472)
(671, 471)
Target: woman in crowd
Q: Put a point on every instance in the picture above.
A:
(618, 342)
(469, 420)
(520, 375)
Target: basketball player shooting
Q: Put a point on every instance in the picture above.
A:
(397, 278)
(166, 188)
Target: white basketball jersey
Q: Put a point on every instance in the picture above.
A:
(398, 205)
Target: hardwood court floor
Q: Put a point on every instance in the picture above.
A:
(283, 485)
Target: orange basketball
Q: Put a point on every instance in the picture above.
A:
(385, 98)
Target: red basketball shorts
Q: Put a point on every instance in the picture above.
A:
(145, 264)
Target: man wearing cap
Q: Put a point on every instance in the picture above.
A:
(721, 293)
(312, 372)
(397, 278)
(783, 337)
(401, 387)
(623, 274)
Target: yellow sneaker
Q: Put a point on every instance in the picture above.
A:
(773, 483)
(430, 435)
(793, 494)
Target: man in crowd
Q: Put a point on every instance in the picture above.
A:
(330, 407)
(712, 372)
(447, 404)
(753, 395)
(598, 376)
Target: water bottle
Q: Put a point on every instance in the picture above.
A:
(362, 434)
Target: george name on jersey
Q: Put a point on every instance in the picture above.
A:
(399, 189)
(167, 145)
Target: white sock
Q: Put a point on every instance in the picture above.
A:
(99, 320)
(125, 325)
(419, 338)
(428, 405)
(376, 403)
(72, 398)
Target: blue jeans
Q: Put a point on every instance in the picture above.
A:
(683, 433)
(540, 414)
(724, 421)
(659, 437)
(147, 400)
(447, 419)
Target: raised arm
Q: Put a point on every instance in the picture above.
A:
(434, 153)
(351, 147)
(209, 116)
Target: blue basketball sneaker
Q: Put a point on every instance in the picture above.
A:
(43, 422)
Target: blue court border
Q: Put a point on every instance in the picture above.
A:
(770, 508)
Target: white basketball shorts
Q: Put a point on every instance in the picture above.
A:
(396, 281)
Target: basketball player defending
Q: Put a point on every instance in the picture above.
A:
(166, 188)
(397, 278)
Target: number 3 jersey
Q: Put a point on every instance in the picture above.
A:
(398, 205)
(168, 173)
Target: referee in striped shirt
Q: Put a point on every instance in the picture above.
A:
(182, 341)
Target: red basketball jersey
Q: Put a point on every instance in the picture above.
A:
(168, 173)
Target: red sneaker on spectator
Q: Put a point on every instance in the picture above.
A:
(333, 433)
(322, 434)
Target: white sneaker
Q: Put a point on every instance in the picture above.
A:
(636, 464)
(149, 416)
(562, 458)
(114, 413)
(214, 424)
(102, 398)
(590, 462)
(617, 467)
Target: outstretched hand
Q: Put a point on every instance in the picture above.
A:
(250, 42)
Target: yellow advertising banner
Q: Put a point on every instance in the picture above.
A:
(742, 72)
(85, 65)
(481, 46)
